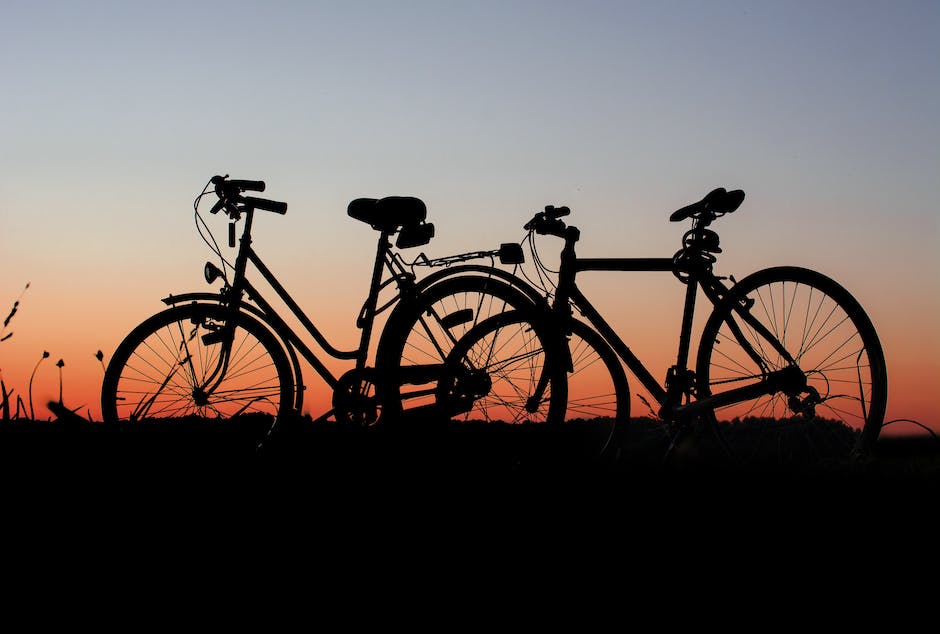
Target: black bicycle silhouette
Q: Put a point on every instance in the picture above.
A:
(783, 349)
(230, 355)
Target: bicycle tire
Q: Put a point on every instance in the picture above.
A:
(825, 329)
(492, 365)
(154, 373)
(423, 330)
(598, 395)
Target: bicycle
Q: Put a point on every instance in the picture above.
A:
(788, 363)
(231, 356)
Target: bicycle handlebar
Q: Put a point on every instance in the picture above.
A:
(243, 185)
(230, 194)
(254, 186)
(267, 205)
(556, 212)
(548, 222)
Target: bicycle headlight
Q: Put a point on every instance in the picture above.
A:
(511, 253)
(212, 272)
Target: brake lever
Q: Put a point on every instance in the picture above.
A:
(539, 217)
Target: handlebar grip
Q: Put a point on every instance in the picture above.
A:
(252, 186)
(556, 212)
(267, 205)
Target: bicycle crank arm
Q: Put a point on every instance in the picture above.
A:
(439, 411)
(790, 380)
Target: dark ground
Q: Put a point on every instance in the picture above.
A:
(380, 509)
(311, 454)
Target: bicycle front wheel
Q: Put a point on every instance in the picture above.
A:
(495, 370)
(831, 341)
(172, 367)
(598, 394)
(508, 384)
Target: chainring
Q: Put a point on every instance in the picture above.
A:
(354, 400)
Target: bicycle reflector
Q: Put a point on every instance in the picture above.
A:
(415, 235)
(212, 272)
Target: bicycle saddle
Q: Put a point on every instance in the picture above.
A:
(389, 213)
(717, 201)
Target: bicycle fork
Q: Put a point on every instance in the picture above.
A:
(184, 364)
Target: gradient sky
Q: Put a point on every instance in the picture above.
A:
(115, 114)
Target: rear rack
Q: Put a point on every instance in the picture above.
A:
(508, 253)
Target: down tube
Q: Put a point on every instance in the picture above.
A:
(615, 342)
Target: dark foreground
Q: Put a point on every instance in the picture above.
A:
(504, 501)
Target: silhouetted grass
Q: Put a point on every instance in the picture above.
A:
(442, 448)
(6, 334)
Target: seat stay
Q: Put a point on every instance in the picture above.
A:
(720, 295)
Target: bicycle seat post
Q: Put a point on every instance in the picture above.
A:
(367, 316)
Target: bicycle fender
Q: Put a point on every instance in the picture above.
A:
(173, 300)
(216, 298)
(213, 298)
(463, 269)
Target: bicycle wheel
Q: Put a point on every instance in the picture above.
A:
(833, 343)
(422, 332)
(598, 394)
(494, 371)
(163, 371)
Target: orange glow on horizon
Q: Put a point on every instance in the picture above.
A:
(73, 323)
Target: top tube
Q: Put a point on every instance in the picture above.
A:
(624, 264)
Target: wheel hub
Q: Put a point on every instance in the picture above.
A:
(474, 385)
(200, 397)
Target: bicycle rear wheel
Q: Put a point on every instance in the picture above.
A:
(832, 341)
(421, 335)
(163, 372)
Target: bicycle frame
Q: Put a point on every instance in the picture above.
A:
(232, 296)
(679, 382)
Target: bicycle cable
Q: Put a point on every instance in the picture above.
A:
(544, 271)
(544, 282)
(203, 229)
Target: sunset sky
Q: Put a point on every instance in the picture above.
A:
(115, 114)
